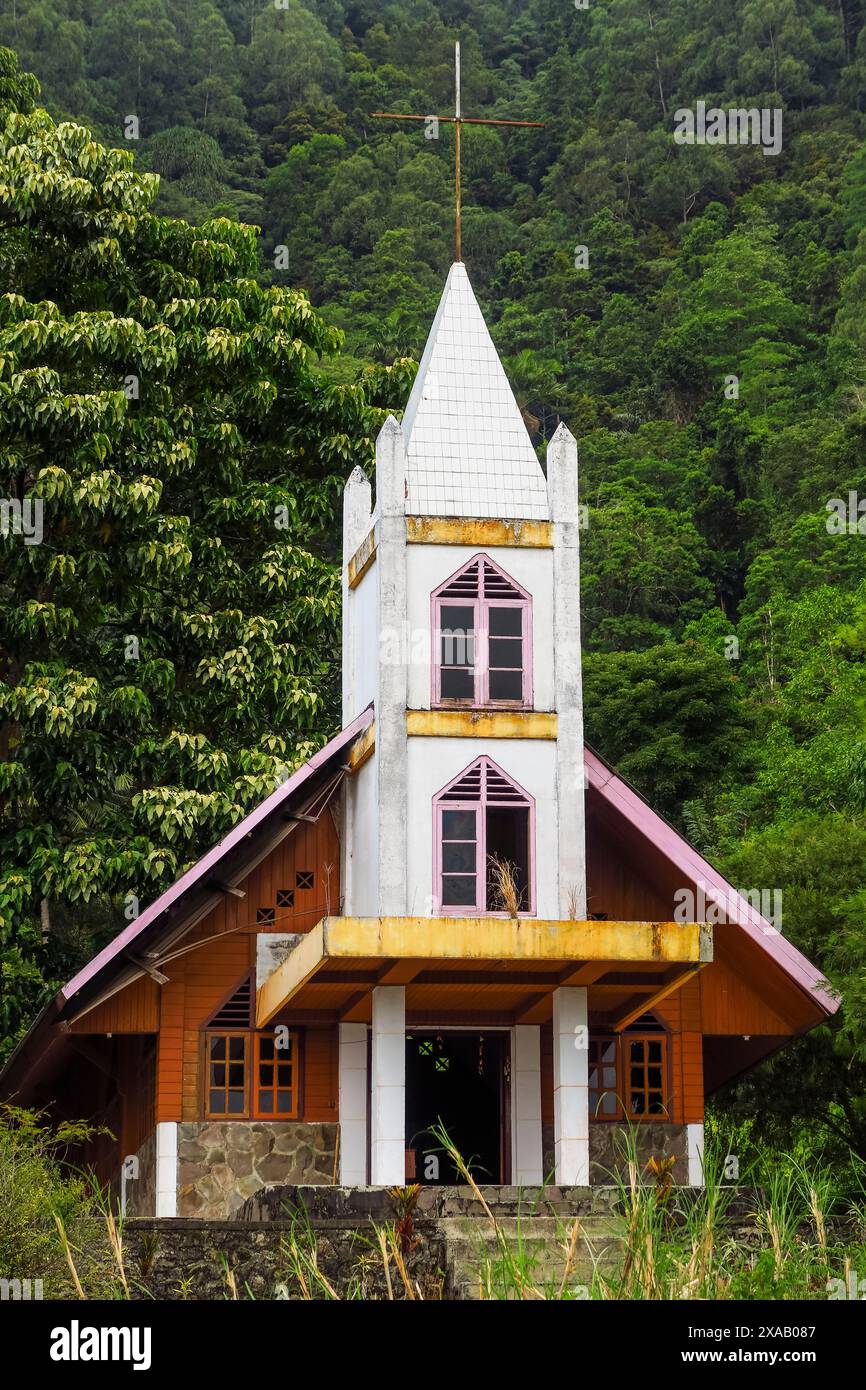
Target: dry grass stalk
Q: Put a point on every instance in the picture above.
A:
(336, 1157)
(648, 1271)
(383, 1250)
(115, 1240)
(299, 1275)
(305, 1261)
(633, 1221)
(818, 1218)
(776, 1238)
(67, 1250)
(401, 1264)
(570, 1248)
(505, 887)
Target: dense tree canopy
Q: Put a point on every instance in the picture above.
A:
(169, 649)
(708, 348)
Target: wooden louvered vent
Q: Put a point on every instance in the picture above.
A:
(481, 579)
(236, 1011)
(484, 781)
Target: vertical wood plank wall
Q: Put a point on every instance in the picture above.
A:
(132, 1010)
(681, 1013)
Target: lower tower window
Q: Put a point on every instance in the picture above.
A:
(484, 851)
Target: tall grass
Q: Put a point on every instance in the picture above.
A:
(777, 1233)
(41, 1199)
(788, 1225)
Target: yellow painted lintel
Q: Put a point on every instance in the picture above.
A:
(454, 530)
(473, 723)
(362, 748)
(500, 939)
(362, 559)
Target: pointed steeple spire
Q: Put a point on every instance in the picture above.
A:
(468, 451)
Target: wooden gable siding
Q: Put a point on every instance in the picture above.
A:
(132, 1010)
(321, 1080)
(615, 885)
(730, 1004)
(108, 1082)
(201, 978)
(743, 990)
(136, 1066)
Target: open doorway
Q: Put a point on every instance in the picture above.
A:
(461, 1080)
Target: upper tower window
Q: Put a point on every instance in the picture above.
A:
(482, 638)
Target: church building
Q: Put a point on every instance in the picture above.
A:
(455, 913)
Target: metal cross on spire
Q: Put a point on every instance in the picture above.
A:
(457, 120)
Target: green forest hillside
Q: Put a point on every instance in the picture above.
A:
(695, 313)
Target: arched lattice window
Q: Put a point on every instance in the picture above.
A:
(484, 844)
(482, 638)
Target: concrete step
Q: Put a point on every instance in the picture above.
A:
(514, 1201)
(538, 1244)
(546, 1252)
(547, 1263)
(477, 1292)
(544, 1285)
(524, 1227)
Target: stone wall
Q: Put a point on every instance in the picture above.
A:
(220, 1165)
(183, 1260)
(607, 1146)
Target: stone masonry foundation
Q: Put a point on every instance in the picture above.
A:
(221, 1165)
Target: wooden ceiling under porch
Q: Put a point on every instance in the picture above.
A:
(488, 970)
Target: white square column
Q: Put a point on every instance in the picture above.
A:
(388, 1095)
(166, 1168)
(353, 1104)
(571, 1086)
(570, 773)
(527, 1164)
(695, 1153)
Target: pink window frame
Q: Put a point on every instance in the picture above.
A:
(526, 800)
(480, 607)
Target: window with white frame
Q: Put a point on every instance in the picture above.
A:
(484, 828)
(482, 638)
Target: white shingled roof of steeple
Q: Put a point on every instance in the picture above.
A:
(468, 450)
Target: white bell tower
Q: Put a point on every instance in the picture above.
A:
(458, 486)
(461, 625)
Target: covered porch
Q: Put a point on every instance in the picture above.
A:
(379, 979)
